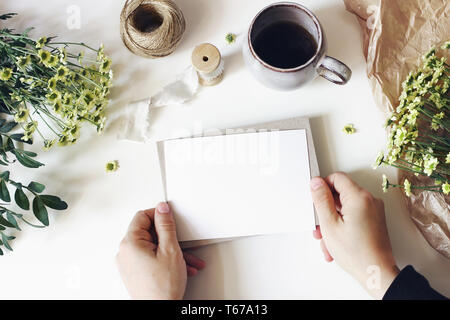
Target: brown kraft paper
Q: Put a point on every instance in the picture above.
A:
(396, 33)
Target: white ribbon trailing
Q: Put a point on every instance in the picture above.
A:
(135, 119)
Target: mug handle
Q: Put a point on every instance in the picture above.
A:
(334, 70)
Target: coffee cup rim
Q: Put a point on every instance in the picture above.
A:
(297, 6)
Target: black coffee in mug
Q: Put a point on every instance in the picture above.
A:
(284, 45)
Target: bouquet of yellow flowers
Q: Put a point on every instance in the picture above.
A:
(419, 127)
(48, 89)
(43, 80)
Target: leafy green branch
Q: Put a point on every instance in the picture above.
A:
(40, 203)
(10, 219)
(8, 146)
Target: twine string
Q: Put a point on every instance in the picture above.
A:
(151, 28)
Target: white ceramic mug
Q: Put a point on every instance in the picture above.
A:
(292, 78)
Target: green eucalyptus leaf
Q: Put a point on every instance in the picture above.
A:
(12, 220)
(2, 228)
(1, 252)
(21, 199)
(53, 202)
(4, 192)
(4, 156)
(6, 243)
(4, 175)
(29, 153)
(40, 211)
(6, 223)
(26, 160)
(36, 186)
(9, 145)
(8, 126)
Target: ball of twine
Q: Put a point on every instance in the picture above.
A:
(151, 28)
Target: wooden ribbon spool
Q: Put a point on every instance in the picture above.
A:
(208, 62)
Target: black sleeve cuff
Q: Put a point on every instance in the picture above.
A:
(411, 285)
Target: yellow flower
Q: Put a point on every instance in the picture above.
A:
(385, 183)
(439, 116)
(105, 65)
(112, 166)
(53, 96)
(88, 96)
(400, 136)
(57, 106)
(62, 73)
(41, 42)
(62, 55)
(230, 38)
(105, 92)
(68, 99)
(48, 144)
(71, 113)
(83, 111)
(434, 126)
(27, 136)
(52, 61)
(379, 160)
(63, 141)
(16, 97)
(407, 186)
(21, 115)
(51, 84)
(349, 129)
(101, 53)
(105, 80)
(31, 126)
(75, 131)
(5, 74)
(85, 73)
(22, 62)
(430, 164)
(44, 55)
(446, 188)
(100, 122)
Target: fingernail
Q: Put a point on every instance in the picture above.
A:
(316, 183)
(163, 207)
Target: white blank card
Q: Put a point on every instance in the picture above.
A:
(239, 184)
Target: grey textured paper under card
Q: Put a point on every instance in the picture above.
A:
(286, 124)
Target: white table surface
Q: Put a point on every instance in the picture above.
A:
(75, 256)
